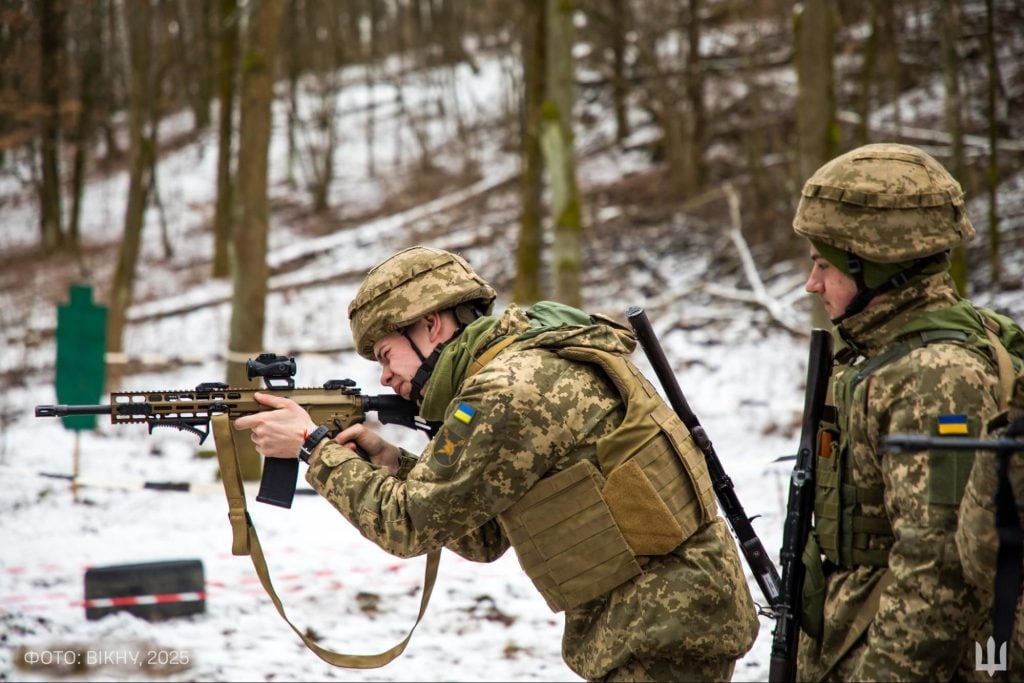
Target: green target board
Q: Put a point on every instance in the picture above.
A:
(81, 354)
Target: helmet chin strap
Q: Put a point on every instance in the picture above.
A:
(865, 294)
(427, 363)
(426, 368)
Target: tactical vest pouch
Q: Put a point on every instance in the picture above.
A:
(566, 538)
(641, 515)
(661, 496)
(813, 598)
(668, 463)
(827, 507)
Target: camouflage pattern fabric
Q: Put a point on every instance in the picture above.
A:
(978, 540)
(407, 286)
(920, 629)
(529, 414)
(884, 202)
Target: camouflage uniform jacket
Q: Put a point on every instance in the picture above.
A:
(919, 629)
(977, 537)
(533, 414)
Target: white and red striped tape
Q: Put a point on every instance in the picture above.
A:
(247, 583)
(127, 600)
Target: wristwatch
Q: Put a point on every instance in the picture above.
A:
(314, 438)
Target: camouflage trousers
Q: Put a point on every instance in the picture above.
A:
(844, 669)
(683, 669)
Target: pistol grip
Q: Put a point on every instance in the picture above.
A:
(277, 487)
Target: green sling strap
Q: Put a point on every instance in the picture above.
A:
(246, 542)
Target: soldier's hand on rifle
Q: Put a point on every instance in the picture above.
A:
(280, 432)
(380, 452)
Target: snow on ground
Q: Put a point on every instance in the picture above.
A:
(742, 376)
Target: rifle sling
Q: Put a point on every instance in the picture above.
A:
(246, 542)
(1003, 362)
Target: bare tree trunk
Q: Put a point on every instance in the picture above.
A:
(112, 89)
(140, 155)
(51, 34)
(814, 27)
(528, 287)
(992, 172)
(192, 37)
(373, 40)
(893, 69)
(560, 155)
(326, 60)
(671, 109)
(92, 37)
(817, 131)
(293, 66)
(868, 73)
(227, 57)
(951, 72)
(695, 95)
(754, 147)
(249, 297)
(619, 27)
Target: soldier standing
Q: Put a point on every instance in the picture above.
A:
(885, 597)
(550, 441)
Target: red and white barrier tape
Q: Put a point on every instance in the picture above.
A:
(126, 600)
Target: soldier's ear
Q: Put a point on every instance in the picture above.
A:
(434, 325)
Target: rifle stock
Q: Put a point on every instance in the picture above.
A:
(757, 559)
(338, 404)
(800, 507)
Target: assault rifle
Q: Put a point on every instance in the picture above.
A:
(338, 405)
(765, 573)
(800, 507)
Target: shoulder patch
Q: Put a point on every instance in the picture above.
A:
(952, 424)
(948, 471)
(464, 413)
(448, 447)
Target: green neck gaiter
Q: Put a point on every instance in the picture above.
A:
(452, 366)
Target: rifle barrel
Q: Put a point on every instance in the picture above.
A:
(911, 443)
(64, 410)
(799, 512)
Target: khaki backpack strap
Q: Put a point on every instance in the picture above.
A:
(487, 356)
(1003, 362)
(246, 542)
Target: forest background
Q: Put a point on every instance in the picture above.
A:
(208, 165)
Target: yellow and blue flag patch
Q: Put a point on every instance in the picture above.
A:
(952, 424)
(464, 413)
(451, 440)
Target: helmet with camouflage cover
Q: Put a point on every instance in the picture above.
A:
(884, 202)
(886, 215)
(407, 286)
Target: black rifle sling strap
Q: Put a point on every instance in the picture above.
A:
(1011, 543)
(1011, 546)
(246, 542)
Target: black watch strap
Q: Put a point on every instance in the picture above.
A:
(314, 438)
